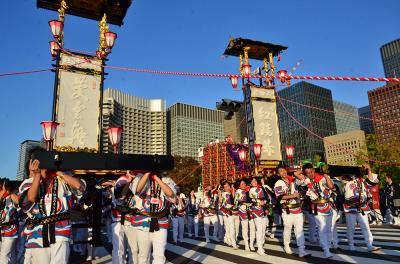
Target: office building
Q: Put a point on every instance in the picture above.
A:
(385, 109)
(236, 126)
(366, 119)
(320, 122)
(390, 54)
(346, 117)
(143, 122)
(342, 149)
(192, 126)
(24, 149)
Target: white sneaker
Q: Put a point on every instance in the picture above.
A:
(328, 254)
(373, 248)
(89, 258)
(246, 248)
(207, 240)
(235, 247)
(272, 235)
(261, 252)
(288, 250)
(303, 253)
(252, 247)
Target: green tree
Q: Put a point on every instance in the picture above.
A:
(186, 174)
(378, 152)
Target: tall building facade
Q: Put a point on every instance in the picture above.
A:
(192, 126)
(390, 54)
(341, 149)
(320, 122)
(346, 117)
(144, 123)
(24, 149)
(236, 126)
(385, 106)
(366, 119)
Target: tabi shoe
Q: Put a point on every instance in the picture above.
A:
(373, 248)
(327, 254)
(303, 253)
(261, 252)
(288, 250)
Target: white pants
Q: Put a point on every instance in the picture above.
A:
(265, 224)
(133, 248)
(296, 221)
(312, 226)
(221, 231)
(57, 253)
(324, 225)
(7, 250)
(119, 244)
(245, 231)
(213, 219)
(28, 256)
(193, 221)
(335, 220)
(236, 224)
(352, 220)
(178, 226)
(390, 219)
(260, 232)
(147, 240)
(230, 230)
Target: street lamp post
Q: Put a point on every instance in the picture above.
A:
(114, 134)
(49, 131)
(290, 154)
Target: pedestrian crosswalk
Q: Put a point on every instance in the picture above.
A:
(196, 250)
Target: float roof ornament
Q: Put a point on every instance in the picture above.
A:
(258, 50)
(92, 9)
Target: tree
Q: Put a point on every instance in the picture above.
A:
(378, 152)
(186, 174)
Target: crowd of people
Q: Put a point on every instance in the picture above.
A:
(37, 222)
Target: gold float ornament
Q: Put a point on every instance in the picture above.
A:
(102, 41)
(61, 10)
(74, 149)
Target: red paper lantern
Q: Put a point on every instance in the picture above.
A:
(247, 70)
(282, 74)
(290, 151)
(257, 150)
(234, 81)
(49, 130)
(242, 155)
(54, 47)
(56, 27)
(110, 39)
(114, 134)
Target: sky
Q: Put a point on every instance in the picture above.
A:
(339, 37)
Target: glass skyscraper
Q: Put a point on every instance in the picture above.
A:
(192, 126)
(390, 54)
(320, 122)
(346, 117)
(366, 124)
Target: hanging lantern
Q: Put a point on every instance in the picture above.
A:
(257, 150)
(114, 134)
(247, 70)
(234, 81)
(49, 130)
(110, 39)
(54, 47)
(290, 151)
(242, 154)
(57, 27)
(282, 74)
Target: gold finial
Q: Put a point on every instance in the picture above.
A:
(103, 29)
(61, 10)
(246, 54)
(241, 64)
(271, 63)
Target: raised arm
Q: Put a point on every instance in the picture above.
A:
(164, 187)
(34, 172)
(73, 182)
(329, 182)
(142, 183)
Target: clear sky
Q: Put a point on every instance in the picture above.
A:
(336, 37)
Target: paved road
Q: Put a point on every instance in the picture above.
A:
(197, 251)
